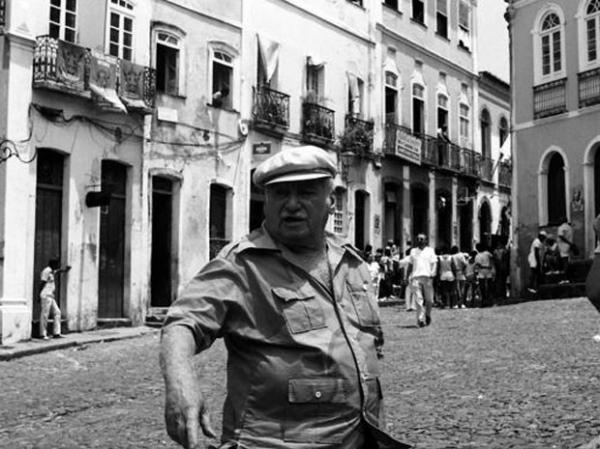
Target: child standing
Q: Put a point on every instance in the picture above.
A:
(47, 299)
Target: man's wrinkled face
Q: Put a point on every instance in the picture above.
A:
(296, 212)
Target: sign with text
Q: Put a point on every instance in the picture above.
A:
(408, 146)
(261, 148)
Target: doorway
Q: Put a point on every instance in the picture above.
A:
(485, 224)
(161, 285)
(360, 211)
(111, 277)
(444, 219)
(465, 212)
(420, 210)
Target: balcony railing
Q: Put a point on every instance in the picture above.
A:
(400, 141)
(271, 109)
(505, 174)
(550, 98)
(470, 163)
(487, 168)
(317, 123)
(589, 88)
(66, 67)
(358, 135)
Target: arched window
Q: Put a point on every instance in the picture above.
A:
(556, 189)
(168, 61)
(503, 130)
(486, 136)
(548, 36)
(391, 98)
(592, 30)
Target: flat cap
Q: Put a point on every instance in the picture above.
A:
(295, 164)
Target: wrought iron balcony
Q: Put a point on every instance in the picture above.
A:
(400, 142)
(589, 88)
(430, 154)
(505, 174)
(550, 98)
(470, 163)
(69, 68)
(358, 135)
(487, 169)
(317, 123)
(271, 109)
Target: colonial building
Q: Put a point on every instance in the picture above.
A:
(555, 57)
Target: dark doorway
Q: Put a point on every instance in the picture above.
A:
(111, 277)
(360, 211)
(466, 226)
(444, 219)
(257, 203)
(162, 221)
(557, 204)
(420, 211)
(392, 213)
(48, 222)
(218, 219)
(597, 181)
(485, 224)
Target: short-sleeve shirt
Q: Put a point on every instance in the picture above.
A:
(47, 276)
(302, 364)
(423, 261)
(536, 244)
(564, 230)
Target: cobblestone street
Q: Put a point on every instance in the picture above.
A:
(521, 376)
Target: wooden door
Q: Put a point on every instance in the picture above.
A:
(112, 242)
(360, 200)
(162, 219)
(48, 221)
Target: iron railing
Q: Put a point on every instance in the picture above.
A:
(271, 108)
(487, 168)
(505, 174)
(470, 163)
(317, 123)
(63, 66)
(2, 12)
(589, 87)
(357, 136)
(550, 98)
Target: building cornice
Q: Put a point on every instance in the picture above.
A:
(522, 3)
(338, 25)
(236, 25)
(390, 33)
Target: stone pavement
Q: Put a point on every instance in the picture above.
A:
(38, 346)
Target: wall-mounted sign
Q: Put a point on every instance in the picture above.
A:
(408, 146)
(261, 148)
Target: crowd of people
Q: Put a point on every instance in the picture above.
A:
(460, 279)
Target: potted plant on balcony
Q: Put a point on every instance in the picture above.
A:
(357, 138)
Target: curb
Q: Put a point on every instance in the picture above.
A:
(79, 340)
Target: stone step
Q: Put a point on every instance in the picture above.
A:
(107, 323)
(555, 291)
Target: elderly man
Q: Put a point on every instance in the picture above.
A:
(422, 270)
(300, 322)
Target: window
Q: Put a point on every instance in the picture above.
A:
(503, 130)
(418, 97)
(63, 20)
(355, 95)
(592, 30)
(391, 98)
(486, 135)
(441, 17)
(551, 46)
(418, 11)
(222, 75)
(339, 214)
(167, 63)
(464, 24)
(556, 189)
(442, 115)
(120, 30)
(391, 4)
(464, 122)
(315, 75)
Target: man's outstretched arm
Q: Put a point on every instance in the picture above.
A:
(185, 409)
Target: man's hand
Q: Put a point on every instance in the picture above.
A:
(185, 409)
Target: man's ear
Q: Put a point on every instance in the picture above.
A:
(331, 203)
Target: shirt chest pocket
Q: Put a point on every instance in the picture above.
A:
(301, 309)
(366, 311)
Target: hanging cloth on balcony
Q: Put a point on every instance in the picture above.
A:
(269, 55)
(103, 83)
(70, 65)
(315, 61)
(354, 92)
(131, 85)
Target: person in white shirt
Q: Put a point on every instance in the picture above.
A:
(47, 299)
(422, 269)
(565, 245)
(535, 260)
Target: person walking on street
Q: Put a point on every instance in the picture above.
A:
(501, 268)
(485, 273)
(565, 247)
(422, 270)
(48, 300)
(535, 261)
(460, 264)
(296, 308)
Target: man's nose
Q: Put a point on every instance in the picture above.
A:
(292, 201)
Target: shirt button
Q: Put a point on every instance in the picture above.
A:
(318, 394)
